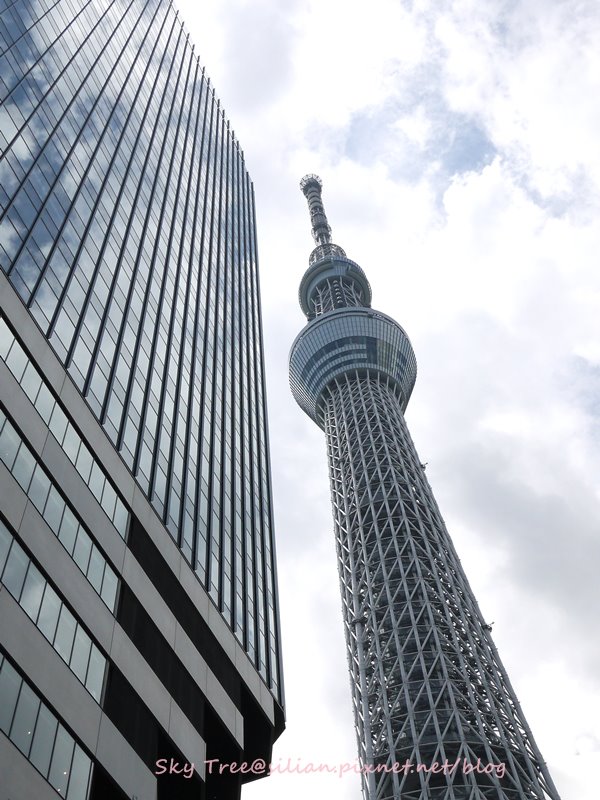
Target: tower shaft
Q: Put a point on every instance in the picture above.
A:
(427, 684)
(435, 715)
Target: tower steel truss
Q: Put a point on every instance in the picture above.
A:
(436, 717)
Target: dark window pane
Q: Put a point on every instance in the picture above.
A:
(23, 724)
(58, 423)
(120, 518)
(65, 633)
(31, 382)
(61, 761)
(23, 467)
(9, 444)
(84, 463)
(68, 530)
(6, 339)
(49, 613)
(17, 361)
(81, 554)
(96, 482)
(45, 403)
(96, 670)
(10, 683)
(14, 571)
(33, 590)
(81, 653)
(43, 740)
(71, 443)
(5, 543)
(39, 488)
(109, 498)
(54, 509)
(96, 569)
(109, 588)
(80, 775)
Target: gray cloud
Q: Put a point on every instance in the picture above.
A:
(520, 495)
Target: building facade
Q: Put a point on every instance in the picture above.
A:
(138, 608)
(435, 715)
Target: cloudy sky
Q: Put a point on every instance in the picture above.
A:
(458, 145)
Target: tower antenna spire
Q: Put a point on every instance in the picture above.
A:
(311, 186)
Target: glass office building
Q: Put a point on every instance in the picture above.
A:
(140, 614)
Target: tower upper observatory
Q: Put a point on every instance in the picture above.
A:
(333, 280)
(343, 329)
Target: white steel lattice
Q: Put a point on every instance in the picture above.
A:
(427, 682)
(336, 293)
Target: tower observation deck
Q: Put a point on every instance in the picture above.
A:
(435, 715)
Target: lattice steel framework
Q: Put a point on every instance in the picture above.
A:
(427, 683)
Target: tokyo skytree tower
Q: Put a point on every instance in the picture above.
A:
(436, 717)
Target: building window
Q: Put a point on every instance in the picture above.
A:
(62, 429)
(58, 515)
(43, 740)
(50, 614)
